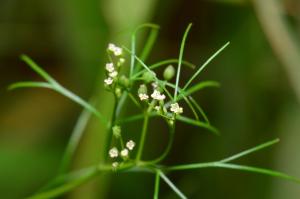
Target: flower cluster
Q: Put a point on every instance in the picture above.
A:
(159, 97)
(124, 153)
(112, 68)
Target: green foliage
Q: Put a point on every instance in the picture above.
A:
(154, 105)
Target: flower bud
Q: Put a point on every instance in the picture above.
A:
(116, 131)
(169, 72)
(142, 89)
(118, 92)
(124, 81)
(149, 76)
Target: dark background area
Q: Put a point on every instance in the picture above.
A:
(258, 100)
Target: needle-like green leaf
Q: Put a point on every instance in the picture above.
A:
(204, 65)
(197, 123)
(29, 84)
(180, 59)
(37, 69)
(74, 140)
(235, 167)
(171, 185)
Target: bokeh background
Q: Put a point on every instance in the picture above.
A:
(258, 100)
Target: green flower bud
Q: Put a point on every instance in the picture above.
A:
(116, 131)
(142, 89)
(124, 81)
(149, 76)
(169, 72)
(118, 92)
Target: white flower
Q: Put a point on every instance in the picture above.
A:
(157, 95)
(108, 81)
(110, 67)
(115, 49)
(111, 47)
(124, 153)
(176, 108)
(115, 164)
(130, 144)
(154, 85)
(113, 74)
(113, 153)
(143, 96)
(118, 51)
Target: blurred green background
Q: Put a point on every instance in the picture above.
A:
(258, 99)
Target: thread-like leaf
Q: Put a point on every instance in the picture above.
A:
(29, 85)
(204, 65)
(180, 59)
(171, 185)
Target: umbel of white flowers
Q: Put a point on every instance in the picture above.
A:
(110, 67)
(114, 152)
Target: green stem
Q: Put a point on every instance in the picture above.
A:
(110, 132)
(156, 188)
(143, 137)
(167, 149)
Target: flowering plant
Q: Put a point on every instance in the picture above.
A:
(154, 98)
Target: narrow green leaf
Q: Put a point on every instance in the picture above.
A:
(200, 86)
(160, 82)
(149, 43)
(56, 87)
(148, 46)
(37, 69)
(171, 185)
(180, 59)
(252, 150)
(163, 63)
(80, 101)
(204, 65)
(74, 140)
(197, 123)
(67, 186)
(29, 84)
(198, 107)
(235, 167)
(191, 106)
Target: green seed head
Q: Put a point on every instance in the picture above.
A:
(169, 72)
(149, 76)
(142, 89)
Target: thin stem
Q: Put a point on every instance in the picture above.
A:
(156, 186)
(110, 131)
(167, 149)
(143, 137)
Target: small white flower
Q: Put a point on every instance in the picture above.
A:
(115, 49)
(154, 85)
(118, 51)
(176, 108)
(111, 47)
(143, 96)
(124, 153)
(113, 74)
(113, 153)
(115, 165)
(108, 81)
(110, 67)
(157, 95)
(130, 144)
